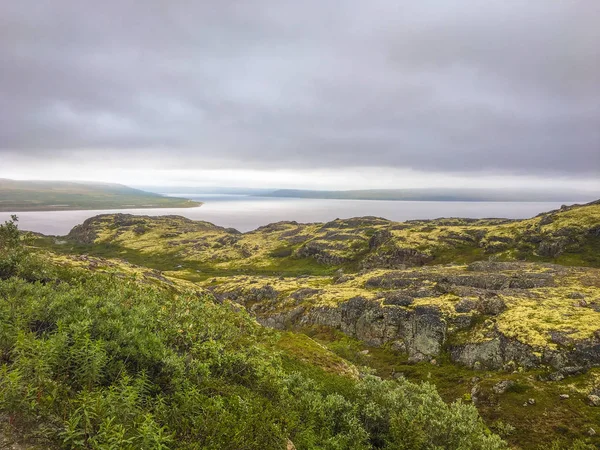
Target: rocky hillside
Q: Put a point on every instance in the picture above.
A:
(487, 315)
(384, 282)
(569, 236)
(501, 313)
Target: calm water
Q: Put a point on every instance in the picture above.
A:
(247, 213)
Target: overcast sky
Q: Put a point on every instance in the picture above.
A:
(332, 94)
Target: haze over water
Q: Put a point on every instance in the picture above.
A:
(246, 213)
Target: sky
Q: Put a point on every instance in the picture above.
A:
(303, 94)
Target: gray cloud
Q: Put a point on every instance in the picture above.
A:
(509, 86)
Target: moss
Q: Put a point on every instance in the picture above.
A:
(444, 302)
(311, 352)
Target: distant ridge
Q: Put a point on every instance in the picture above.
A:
(41, 195)
(440, 194)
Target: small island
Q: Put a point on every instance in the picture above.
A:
(19, 195)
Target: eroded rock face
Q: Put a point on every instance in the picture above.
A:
(455, 311)
(85, 233)
(321, 252)
(496, 353)
(395, 257)
(422, 330)
(379, 238)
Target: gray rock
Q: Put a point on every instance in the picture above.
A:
(561, 338)
(491, 305)
(465, 305)
(395, 257)
(551, 249)
(399, 346)
(417, 358)
(321, 252)
(379, 238)
(303, 293)
(494, 353)
(594, 400)
(556, 376)
(503, 386)
(397, 298)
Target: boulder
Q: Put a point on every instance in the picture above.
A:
(397, 298)
(491, 305)
(465, 305)
(594, 400)
(502, 386)
(379, 238)
(395, 257)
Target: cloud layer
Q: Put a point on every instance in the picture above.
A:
(435, 86)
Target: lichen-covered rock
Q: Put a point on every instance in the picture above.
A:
(593, 400)
(502, 386)
(491, 305)
(397, 298)
(495, 353)
(391, 280)
(321, 252)
(466, 305)
(551, 249)
(379, 238)
(393, 257)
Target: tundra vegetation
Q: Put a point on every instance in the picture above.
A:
(139, 332)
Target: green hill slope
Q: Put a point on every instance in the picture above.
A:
(111, 361)
(198, 250)
(501, 314)
(61, 195)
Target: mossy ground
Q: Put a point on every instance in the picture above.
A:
(201, 249)
(530, 316)
(174, 250)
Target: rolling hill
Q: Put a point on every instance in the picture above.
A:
(18, 195)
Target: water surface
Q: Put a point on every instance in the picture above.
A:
(247, 212)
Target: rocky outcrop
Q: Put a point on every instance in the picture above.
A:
(424, 332)
(379, 238)
(495, 353)
(85, 233)
(420, 331)
(394, 257)
(321, 252)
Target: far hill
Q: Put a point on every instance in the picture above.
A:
(18, 195)
(441, 195)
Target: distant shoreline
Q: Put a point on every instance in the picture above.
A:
(39, 195)
(49, 208)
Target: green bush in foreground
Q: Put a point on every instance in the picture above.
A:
(105, 363)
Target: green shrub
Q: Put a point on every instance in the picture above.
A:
(105, 362)
(11, 248)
